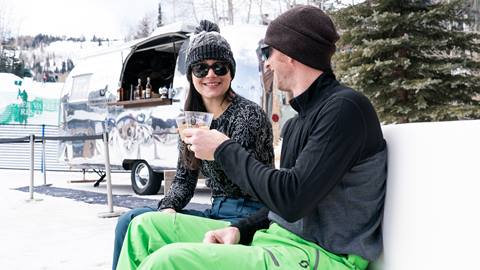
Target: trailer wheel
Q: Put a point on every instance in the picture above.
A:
(144, 180)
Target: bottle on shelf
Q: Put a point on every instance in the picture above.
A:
(138, 90)
(148, 89)
(120, 92)
(130, 94)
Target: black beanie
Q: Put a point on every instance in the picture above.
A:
(207, 43)
(306, 34)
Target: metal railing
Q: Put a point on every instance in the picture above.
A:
(32, 139)
(16, 155)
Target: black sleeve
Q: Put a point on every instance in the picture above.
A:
(334, 144)
(248, 226)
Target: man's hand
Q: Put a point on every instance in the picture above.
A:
(203, 142)
(228, 235)
(168, 210)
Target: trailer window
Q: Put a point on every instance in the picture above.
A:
(80, 86)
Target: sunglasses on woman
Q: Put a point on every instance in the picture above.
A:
(200, 70)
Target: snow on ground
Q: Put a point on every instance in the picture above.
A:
(59, 233)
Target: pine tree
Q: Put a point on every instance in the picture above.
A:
(70, 65)
(3, 61)
(475, 13)
(144, 27)
(18, 67)
(64, 67)
(412, 58)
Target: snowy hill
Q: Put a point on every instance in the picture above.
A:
(54, 57)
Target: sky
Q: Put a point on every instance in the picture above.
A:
(104, 18)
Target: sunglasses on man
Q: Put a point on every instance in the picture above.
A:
(266, 51)
(200, 70)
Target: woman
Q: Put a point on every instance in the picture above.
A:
(211, 68)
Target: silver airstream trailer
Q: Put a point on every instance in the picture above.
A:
(142, 133)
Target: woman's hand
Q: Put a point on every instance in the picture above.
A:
(228, 236)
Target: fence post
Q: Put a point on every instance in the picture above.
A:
(44, 161)
(110, 212)
(32, 168)
(107, 169)
(32, 164)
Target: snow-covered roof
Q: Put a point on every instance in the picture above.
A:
(173, 28)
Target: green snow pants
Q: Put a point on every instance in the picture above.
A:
(156, 241)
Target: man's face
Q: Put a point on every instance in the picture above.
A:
(281, 67)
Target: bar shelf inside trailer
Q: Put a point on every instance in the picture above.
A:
(151, 102)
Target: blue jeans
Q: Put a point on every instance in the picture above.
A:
(223, 208)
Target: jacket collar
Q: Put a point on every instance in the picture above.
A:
(315, 92)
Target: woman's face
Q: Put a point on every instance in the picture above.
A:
(211, 78)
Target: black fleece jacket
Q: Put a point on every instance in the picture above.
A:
(335, 128)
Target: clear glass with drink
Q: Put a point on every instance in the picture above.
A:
(192, 119)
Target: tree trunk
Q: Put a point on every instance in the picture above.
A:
(174, 10)
(214, 10)
(194, 11)
(249, 10)
(159, 16)
(264, 17)
(230, 12)
(400, 73)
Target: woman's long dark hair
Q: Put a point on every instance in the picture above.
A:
(194, 102)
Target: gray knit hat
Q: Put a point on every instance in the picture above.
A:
(207, 43)
(306, 34)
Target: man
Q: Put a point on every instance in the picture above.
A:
(325, 203)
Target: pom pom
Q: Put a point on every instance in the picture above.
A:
(207, 26)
